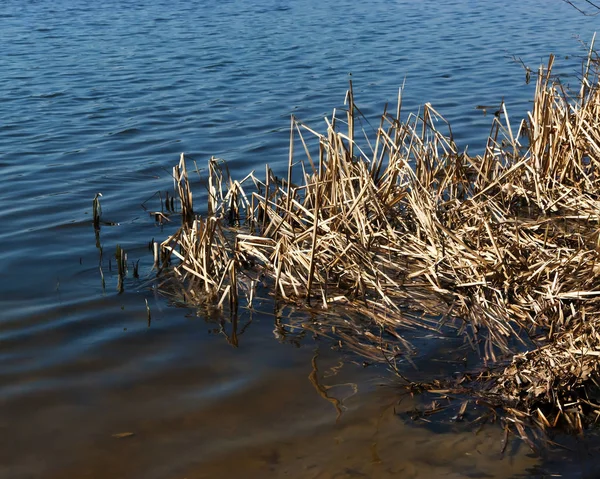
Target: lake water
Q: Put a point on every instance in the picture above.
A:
(103, 97)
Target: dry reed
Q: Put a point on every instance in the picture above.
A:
(411, 232)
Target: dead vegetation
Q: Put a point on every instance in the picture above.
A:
(405, 230)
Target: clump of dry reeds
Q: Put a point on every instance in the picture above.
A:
(405, 230)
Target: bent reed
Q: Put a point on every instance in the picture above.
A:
(405, 230)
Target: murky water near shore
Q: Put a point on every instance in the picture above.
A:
(102, 97)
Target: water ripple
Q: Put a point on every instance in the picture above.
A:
(103, 97)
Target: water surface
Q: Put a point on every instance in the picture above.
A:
(103, 97)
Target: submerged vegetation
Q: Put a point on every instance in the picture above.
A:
(405, 230)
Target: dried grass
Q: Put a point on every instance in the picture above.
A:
(404, 230)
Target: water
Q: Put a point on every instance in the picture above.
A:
(102, 97)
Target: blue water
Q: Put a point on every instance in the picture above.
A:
(104, 96)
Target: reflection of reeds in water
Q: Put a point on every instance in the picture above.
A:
(504, 246)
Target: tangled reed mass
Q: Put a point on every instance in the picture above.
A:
(407, 231)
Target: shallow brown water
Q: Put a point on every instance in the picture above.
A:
(174, 399)
(221, 418)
